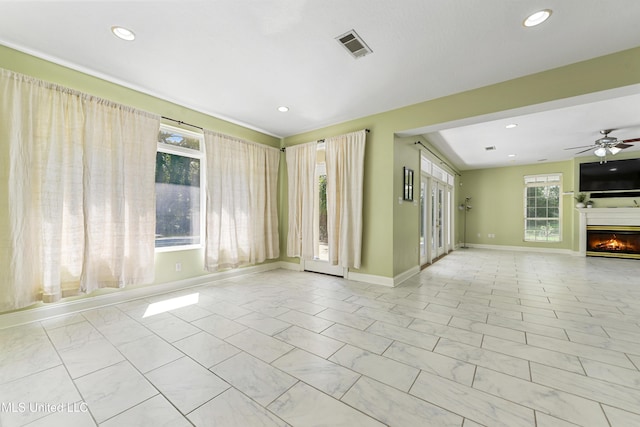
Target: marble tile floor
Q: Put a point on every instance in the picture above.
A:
(480, 338)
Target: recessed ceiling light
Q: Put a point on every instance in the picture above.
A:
(511, 125)
(283, 109)
(537, 18)
(511, 155)
(123, 33)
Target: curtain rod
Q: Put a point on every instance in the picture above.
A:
(180, 122)
(283, 149)
(442, 162)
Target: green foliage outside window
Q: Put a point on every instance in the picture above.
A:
(323, 237)
(542, 212)
(177, 193)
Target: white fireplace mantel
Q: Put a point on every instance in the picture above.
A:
(605, 216)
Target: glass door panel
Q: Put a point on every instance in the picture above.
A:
(322, 248)
(424, 236)
(320, 262)
(439, 223)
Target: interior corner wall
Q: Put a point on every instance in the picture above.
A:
(406, 214)
(406, 249)
(192, 261)
(497, 200)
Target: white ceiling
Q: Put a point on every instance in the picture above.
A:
(544, 133)
(241, 59)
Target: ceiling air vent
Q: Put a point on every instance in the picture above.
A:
(354, 44)
(493, 147)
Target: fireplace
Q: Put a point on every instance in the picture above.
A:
(610, 231)
(613, 241)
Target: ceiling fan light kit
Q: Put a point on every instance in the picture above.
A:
(606, 145)
(600, 152)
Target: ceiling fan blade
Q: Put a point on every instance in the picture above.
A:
(622, 145)
(582, 146)
(584, 151)
(631, 140)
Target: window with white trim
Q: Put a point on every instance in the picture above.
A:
(542, 208)
(179, 189)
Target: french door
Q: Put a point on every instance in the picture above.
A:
(320, 262)
(439, 221)
(435, 219)
(424, 221)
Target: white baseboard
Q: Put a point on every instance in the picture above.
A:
(406, 275)
(520, 248)
(290, 266)
(382, 280)
(63, 307)
(370, 278)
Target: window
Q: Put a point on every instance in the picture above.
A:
(542, 208)
(179, 188)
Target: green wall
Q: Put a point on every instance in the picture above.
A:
(192, 261)
(388, 251)
(377, 233)
(498, 205)
(406, 229)
(388, 248)
(406, 214)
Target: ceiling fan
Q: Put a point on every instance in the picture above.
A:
(606, 144)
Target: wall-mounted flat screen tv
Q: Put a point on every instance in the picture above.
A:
(610, 176)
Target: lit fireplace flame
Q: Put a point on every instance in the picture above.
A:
(617, 241)
(612, 244)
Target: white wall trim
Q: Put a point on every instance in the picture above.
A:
(291, 266)
(127, 294)
(63, 307)
(520, 249)
(382, 280)
(400, 278)
(370, 278)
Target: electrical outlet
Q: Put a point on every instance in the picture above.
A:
(178, 266)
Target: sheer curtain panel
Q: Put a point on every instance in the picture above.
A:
(119, 195)
(77, 207)
(345, 176)
(242, 217)
(301, 176)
